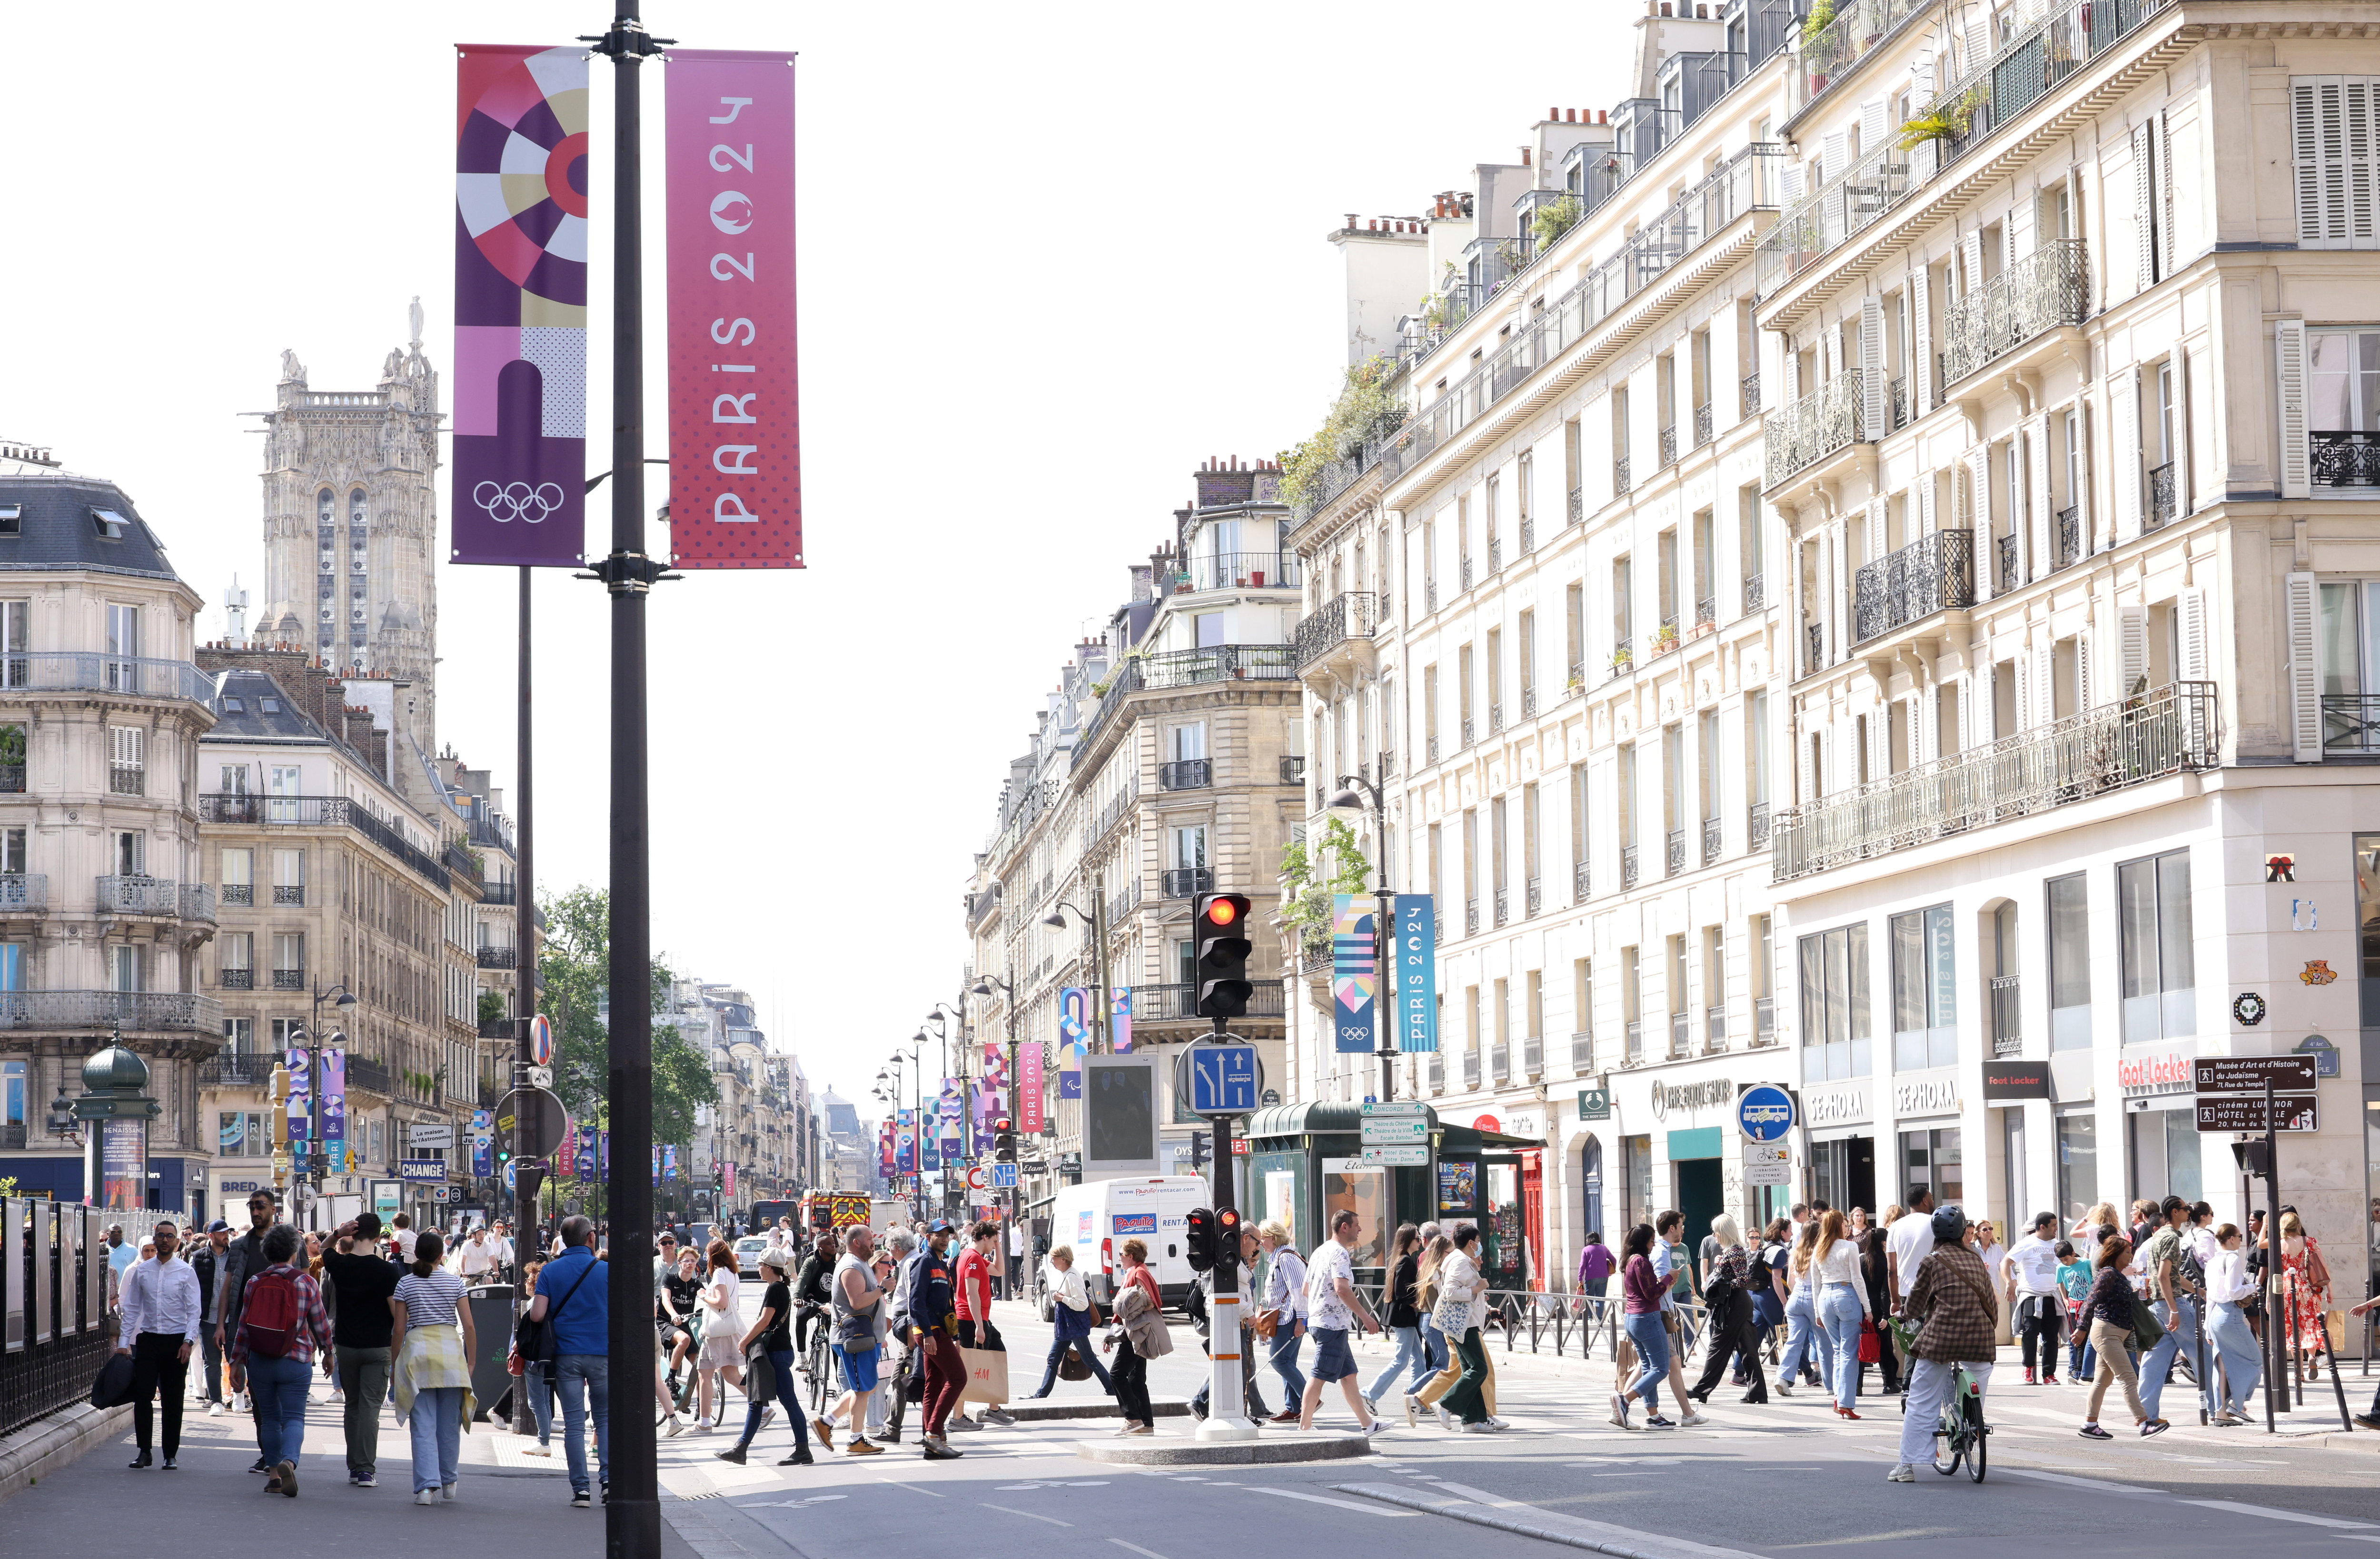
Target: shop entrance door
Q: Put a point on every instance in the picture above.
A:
(1701, 1198)
(1503, 1253)
(1533, 1217)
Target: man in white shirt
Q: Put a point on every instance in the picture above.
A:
(2028, 1275)
(401, 1231)
(478, 1259)
(158, 1327)
(1907, 1242)
(1335, 1307)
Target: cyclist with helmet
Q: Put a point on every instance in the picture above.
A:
(1953, 1298)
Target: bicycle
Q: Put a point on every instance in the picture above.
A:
(816, 1363)
(1961, 1436)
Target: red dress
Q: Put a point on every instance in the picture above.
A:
(2308, 1300)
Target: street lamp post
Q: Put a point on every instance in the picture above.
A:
(1383, 925)
(311, 1036)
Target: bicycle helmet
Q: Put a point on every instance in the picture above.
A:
(1949, 1225)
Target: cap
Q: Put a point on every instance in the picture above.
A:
(219, 1227)
(941, 1226)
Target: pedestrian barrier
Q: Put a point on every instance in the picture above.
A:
(1557, 1326)
(55, 1322)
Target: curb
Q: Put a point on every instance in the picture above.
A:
(1104, 1408)
(57, 1442)
(1224, 1453)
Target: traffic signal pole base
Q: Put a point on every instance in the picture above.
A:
(1212, 1430)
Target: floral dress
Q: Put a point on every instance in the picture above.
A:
(2307, 1298)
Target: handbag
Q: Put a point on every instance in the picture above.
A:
(1072, 1365)
(114, 1386)
(855, 1333)
(2147, 1330)
(1264, 1322)
(1871, 1346)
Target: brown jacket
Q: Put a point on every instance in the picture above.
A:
(1953, 1296)
(1143, 1323)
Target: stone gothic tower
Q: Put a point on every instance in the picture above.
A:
(351, 524)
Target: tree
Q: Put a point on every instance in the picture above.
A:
(573, 965)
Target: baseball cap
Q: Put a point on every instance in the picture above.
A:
(941, 1226)
(219, 1227)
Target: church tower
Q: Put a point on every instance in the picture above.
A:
(351, 524)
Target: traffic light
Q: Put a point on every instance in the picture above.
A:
(1227, 1237)
(1222, 949)
(1004, 1140)
(1198, 1235)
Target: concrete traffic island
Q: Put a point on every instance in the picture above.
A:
(1154, 1451)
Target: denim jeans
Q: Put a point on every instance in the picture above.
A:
(1928, 1383)
(2180, 1320)
(1090, 1355)
(1408, 1358)
(437, 1429)
(2243, 1362)
(1652, 1340)
(585, 1382)
(1285, 1341)
(780, 1365)
(540, 1392)
(211, 1353)
(277, 1387)
(1839, 1309)
(1433, 1347)
(1801, 1339)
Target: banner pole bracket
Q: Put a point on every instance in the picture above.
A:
(630, 572)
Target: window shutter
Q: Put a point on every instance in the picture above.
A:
(2124, 434)
(1879, 743)
(2143, 210)
(2192, 605)
(2025, 685)
(1872, 368)
(2133, 625)
(1789, 183)
(1921, 371)
(2020, 229)
(2165, 246)
(1805, 776)
(2305, 672)
(1833, 153)
(2086, 512)
(1976, 709)
(1970, 254)
(2297, 474)
(1871, 127)
(2086, 685)
(1921, 81)
(1924, 505)
(2038, 550)
(2360, 103)
(1976, 514)
(2313, 109)
(1979, 45)
(2044, 684)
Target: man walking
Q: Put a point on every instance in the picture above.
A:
(1676, 1284)
(477, 1259)
(361, 1328)
(2173, 1295)
(976, 1330)
(572, 1299)
(1334, 1305)
(159, 1326)
(1907, 1242)
(244, 1259)
(2029, 1277)
(1951, 1293)
(932, 1313)
(209, 1264)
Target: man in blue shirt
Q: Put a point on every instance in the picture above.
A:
(572, 1299)
(932, 1313)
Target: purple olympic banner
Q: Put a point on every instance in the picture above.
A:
(521, 178)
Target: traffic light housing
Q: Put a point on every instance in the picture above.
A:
(1227, 1237)
(1221, 946)
(1198, 1235)
(1004, 1140)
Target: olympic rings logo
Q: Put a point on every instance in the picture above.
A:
(518, 501)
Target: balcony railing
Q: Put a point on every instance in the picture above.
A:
(1619, 482)
(1815, 635)
(1462, 572)
(2163, 497)
(12, 779)
(1711, 841)
(1627, 866)
(1503, 906)
(1755, 592)
(1500, 1065)
(21, 892)
(288, 979)
(2067, 524)
(74, 670)
(1471, 917)
(235, 979)
(1896, 401)
(1528, 536)
(155, 896)
(1535, 899)
(318, 811)
(1494, 717)
(289, 893)
(1755, 827)
(2048, 288)
(1179, 1003)
(1682, 1034)
(127, 779)
(1990, 89)
(1238, 570)
(2345, 459)
(1749, 389)
(1467, 730)
(1634, 1053)
(1533, 1056)
(1674, 858)
(1582, 880)
(2169, 730)
(1670, 445)
(2350, 723)
(1495, 554)
(1185, 774)
(233, 1069)
(1714, 1028)
(1186, 668)
(1582, 1051)
(1186, 882)
(370, 1075)
(1470, 1069)
(1814, 426)
(498, 893)
(2011, 572)
(1933, 574)
(1764, 1020)
(1828, 54)
(1702, 425)
(499, 958)
(148, 1011)
(1292, 769)
(2008, 1032)
(1577, 505)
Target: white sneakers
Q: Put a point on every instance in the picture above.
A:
(446, 1492)
(1694, 1420)
(1905, 1473)
(214, 1409)
(424, 1496)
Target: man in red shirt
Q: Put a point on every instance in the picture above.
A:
(974, 1300)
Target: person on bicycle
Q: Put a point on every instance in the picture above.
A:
(810, 1295)
(1953, 1298)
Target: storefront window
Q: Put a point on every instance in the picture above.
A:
(2164, 1153)
(2078, 1164)
(1931, 1159)
(1638, 1154)
(1924, 991)
(1504, 1256)
(2152, 913)
(2070, 964)
(1365, 1191)
(1834, 1005)
(2367, 925)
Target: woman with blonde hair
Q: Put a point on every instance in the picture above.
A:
(1842, 1304)
(1070, 1304)
(1802, 1342)
(1726, 1289)
(1281, 1314)
(2301, 1291)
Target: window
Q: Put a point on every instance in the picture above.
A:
(1210, 625)
(130, 853)
(1429, 710)
(240, 1035)
(2164, 1152)
(2078, 1162)
(1495, 679)
(290, 960)
(1186, 961)
(1632, 1003)
(2342, 410)
(1714, 986)
(2331, 136)
(125, 769)
(240, 1134)
(1190, 847)
(1834, 1005)
(1932, 1159)
(1582, 997)
(124, 968)
(237, 875)
(123, 647)
(1924, 991)
(16, 640)
(1574, 626)
(289, 877)
(12, 853)
(238, 964)
(2159, 968)
(2070, 963)
(12, 1092)
(1764, 1005)
(1529, 845)
(1497, 827)
(1624, 587)
(1679, 1032)
(12, 966)
(1527, 651)
(1581, 876)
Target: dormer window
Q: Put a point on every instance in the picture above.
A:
(109, 523)
(234, 706)
(12, 519)
(270, 706)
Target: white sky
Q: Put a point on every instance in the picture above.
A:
(1053, 256)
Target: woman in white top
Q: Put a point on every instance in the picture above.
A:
(723, 1328)
(1462, 1302)
(1070, 1306)
(1803, 1342)
(1842, 1303)
(2235, 1345)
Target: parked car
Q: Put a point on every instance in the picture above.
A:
(748, 1255)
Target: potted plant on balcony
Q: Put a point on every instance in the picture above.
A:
(1305, 899)
(1945, 120)
(1664, 638)
(1622, 659)
(1819, 47)
(1554, 218)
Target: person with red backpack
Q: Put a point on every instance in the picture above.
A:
(281, 1325)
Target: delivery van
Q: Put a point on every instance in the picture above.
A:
(1099, 1216)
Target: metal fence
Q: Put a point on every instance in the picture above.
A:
(55, 1326)
(1557, 1326)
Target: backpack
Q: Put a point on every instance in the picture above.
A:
(271, 1316)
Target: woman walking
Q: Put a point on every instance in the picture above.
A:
(1802, 1343)
(434, 1345)
(1070, 1303)
(720, 1364)
(1877, 1274)
(2303, 1292)
(1775, 1255)
(1640, 1303)
(1285, 1307)
(1139, 1336)
(1726, 1289)
(1403, 1319)
(1842, 1304)
(769, 1344)
(276, 1387)
(2108, 1313)
(2227, 1285)
(532, 1382)
(1462, 1302)
(1439, 1364)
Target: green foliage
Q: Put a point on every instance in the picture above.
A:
(1947, 120)
(1366, 408)
(573, 963)
(12, 744)
(493, 1008)
(7, 1185)
(1307, 893)
(1556, 218)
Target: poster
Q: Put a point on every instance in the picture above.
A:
(1458, 1185)
(123, 1165)
(301, 1081)
(1030, 1106)
(1354, 972)
(1417, 972)
(1073, 1039)
(1119, 1020)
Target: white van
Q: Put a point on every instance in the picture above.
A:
(1099, 1216)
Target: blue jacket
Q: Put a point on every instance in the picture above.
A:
(583, 1322)
(930, 1303)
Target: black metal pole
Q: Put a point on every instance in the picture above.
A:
(2277, 1385)
(633, 1521)
(525, 957)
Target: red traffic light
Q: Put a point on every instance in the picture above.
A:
(1228, 1217)
(1222, 911)
(1001, 1125)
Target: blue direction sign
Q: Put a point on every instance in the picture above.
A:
(1223, 1079)
(1765, 1112)
(1004, 1177)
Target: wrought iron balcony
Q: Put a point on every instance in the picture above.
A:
(1577, 505)
(1467, 730)
(1293, 770)
(1432, 747)
(240, 893)
(2011, 569)
(12, 779)
(1388, 763)
(1933, 574)
(2345, 459)
(369, 1075)
(1706, 612)
(1494, 717)
(288, 979)
(1185, 774)
(1750, 394)
(146, 1012)
(499, 958)
(1428, 596)
(23, 893)
(1582, 881)
(1463, 569)
(234, 1069)
(1186, 882)
(2350, 723)
(318, 811)
(1619, 482)
(1582, 1051)
(1712, 842)
(2008, 1030)
(1755, 827)
(235, 979)
(1714, 1029)
(1528, 536)
(1634, 1053)
(1528, 702)
(1350, 616)
(1238, 570)
(2067, 524)
(1896, 401)
(1495, 554)
(72, 670)
(2167, 730)
(1755, 592)
(287, 893)
(1681, 1035)
(2048, 288)
(128, 780)
(1535, 899)
(1816, 634)
(2164, 496)
(1627, 866)
(1187, 668)
(1702, 425)
(1503, 906)
(1674, 856)
(1814, 426)
(1179, 1003)
(155, 896)
(1471, 917)
(1670, 445)
(499, 893)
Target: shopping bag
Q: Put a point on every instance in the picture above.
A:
(1071, 1366)
(987, 1376)
(1870, 1344)
(114, 1386)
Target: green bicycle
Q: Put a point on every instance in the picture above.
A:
(1963, 1434)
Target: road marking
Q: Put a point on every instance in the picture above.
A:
(1144, 1552)
(895, 1483)
(1325, 1498)
(2238, 1508)
(1008, 1510)
(1533, 1521)
(2072, 1482)
(790, 1504)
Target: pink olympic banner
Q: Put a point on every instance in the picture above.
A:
(1029, 1088)
(734, 422)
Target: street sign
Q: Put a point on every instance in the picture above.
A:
(541, 1117)
(1594, 1104)
(1377, 1109)
(1393, 1132)
(976, 1178)
(434, 1134)
(2238, 1112)
(540, 1077)
(540, 1040)
(1239, 1147)
(2245, 1075)
(1765, 1113)
(1767, 1164)
(1403, 1158)
(422, 1171)
(1004, 1177)
(1223, 1079)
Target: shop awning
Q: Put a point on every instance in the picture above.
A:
(1461, 1138)
(1318, 1118)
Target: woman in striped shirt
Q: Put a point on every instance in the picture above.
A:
(433, 1346)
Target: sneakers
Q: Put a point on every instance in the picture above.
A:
(1413, 1411)
(2154, 1426)
(733, 1454)
(214, 1409)
(424, 1496)
(1620, 1411)
(938, 1450)
(1289, 1415)
(1140, 1429)
(1694, 1420)
(260, 1465)
(1905, 1473)
(1375, 1427)
(447, 1493)
(284, 1473)
(671, 1427)
(863, 1448)
(363, 1480)
(1784, 1388)
(2093, 1431)
(961, 1424)
(999, 1415)
(579, 1499)
(1485, 1426)
(1658, 1421)
(699, 1426)
(542, 1450)
(1445, 1419)
(2029, 1380)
